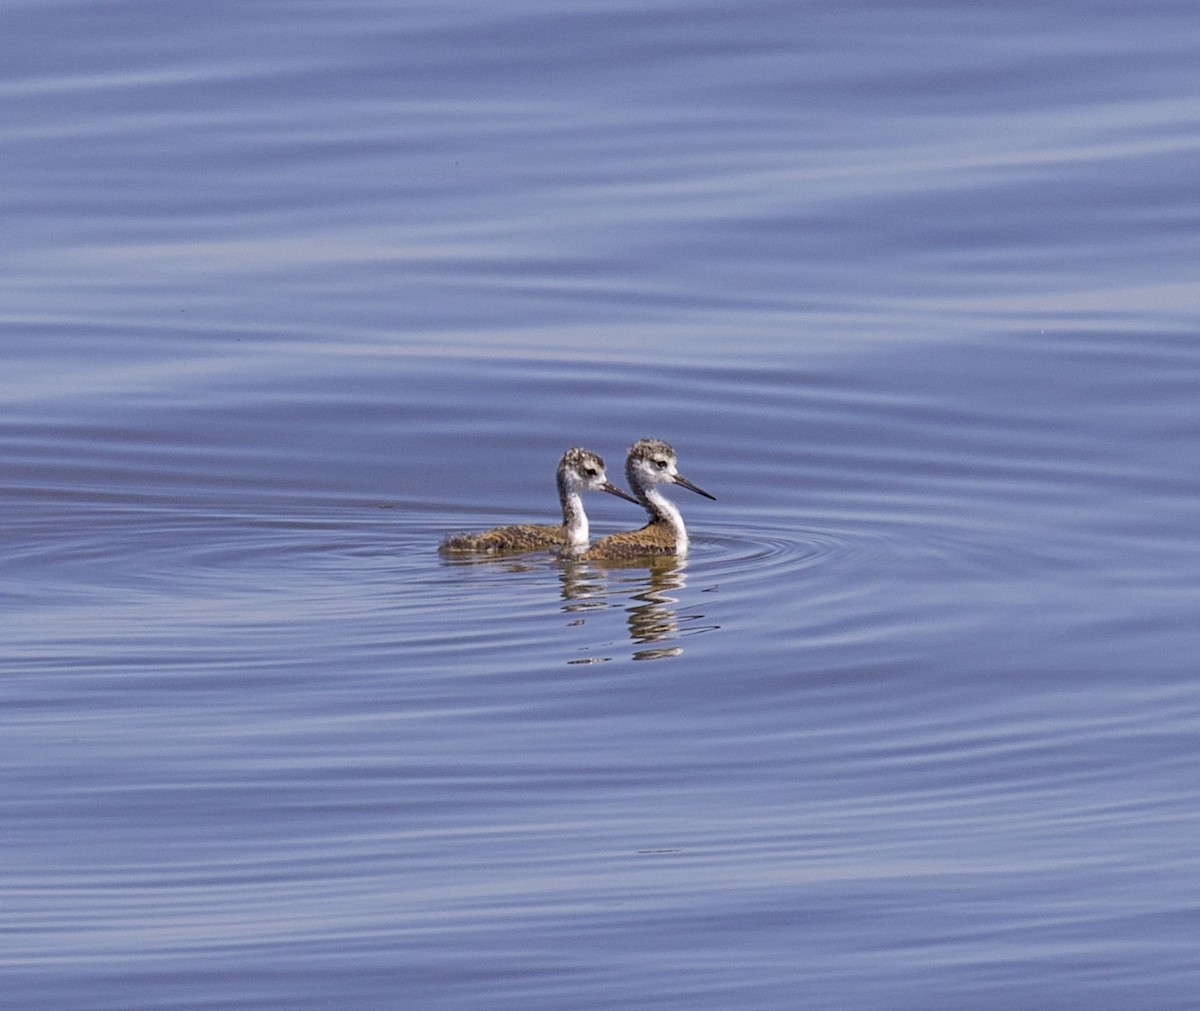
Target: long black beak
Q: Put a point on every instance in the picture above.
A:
(612, 489)
(680, 479)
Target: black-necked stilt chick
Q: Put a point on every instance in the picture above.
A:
(579, 470)
(651, 462)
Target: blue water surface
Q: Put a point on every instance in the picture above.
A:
(294, 290)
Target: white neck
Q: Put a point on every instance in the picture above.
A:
(665, 509)
(575, 520)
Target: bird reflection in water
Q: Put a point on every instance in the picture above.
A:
(651, 586)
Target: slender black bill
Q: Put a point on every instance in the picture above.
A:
(680, 479)
(612, 489)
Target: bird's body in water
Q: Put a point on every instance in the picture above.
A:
(579, 470)
(650, 462)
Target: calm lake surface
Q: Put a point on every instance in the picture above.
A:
(292, 290)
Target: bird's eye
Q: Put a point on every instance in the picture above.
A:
(590, 471)
(660, 464)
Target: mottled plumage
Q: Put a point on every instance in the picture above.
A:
(578, 471)
(650, 462)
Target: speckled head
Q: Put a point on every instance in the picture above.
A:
(651, 462)
(582, 470)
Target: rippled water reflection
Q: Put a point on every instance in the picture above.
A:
(931, 649)
(910, 289)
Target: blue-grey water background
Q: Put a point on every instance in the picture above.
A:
(290, 290)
